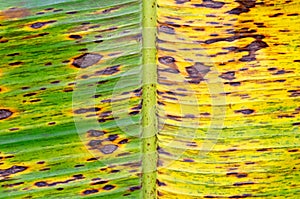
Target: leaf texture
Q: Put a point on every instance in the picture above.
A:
(228, 101)
(69, 120)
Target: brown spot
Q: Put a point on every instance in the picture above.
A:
(5, 113)
(86, 110)
(71, 12)
(15, 63)
(135, 188)
(263, 149)
(124, 141)
(94, 143)
(35, 100)
(90, 191)
(241, 196)
(242, 183)
(293, 150)
(166, 29)
(29, 94)
(228, 75)
(79, 165)
(100, 182)
(55, 82)
(108, 187)
(166, 60)
(112, 137)
(245, 111)
(14, 129)
(14, 13)
(38, 25)
(12, 185)
(108, 149)
(41, 184)
(210, 4)
(78, 176)
(276, 15)
(13, 54)
(160, 183)
(35, 36)
(75, 37)
(181, 1)
(243, 7)
(109, 70)
(86, 60)
(188, 160)
(209, 196)
(95, 133)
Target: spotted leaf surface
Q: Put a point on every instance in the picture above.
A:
(228, 101)
(70, 88)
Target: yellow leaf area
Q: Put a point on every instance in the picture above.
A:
(228, 99)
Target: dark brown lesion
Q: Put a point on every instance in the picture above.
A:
(47, 184)
(197, 72)
(210, 4)
(4, 114)
(38, 25)
(86, 60)
(109, 70)
(245, 111)
(244, 7)
(12, 170)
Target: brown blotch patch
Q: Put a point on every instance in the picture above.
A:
(86, 60)
(5, 113)
(14, 13)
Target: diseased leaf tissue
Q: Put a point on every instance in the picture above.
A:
(227, 99)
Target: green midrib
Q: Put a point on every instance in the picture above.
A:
(149, 158)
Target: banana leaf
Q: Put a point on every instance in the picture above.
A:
(149, 99)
